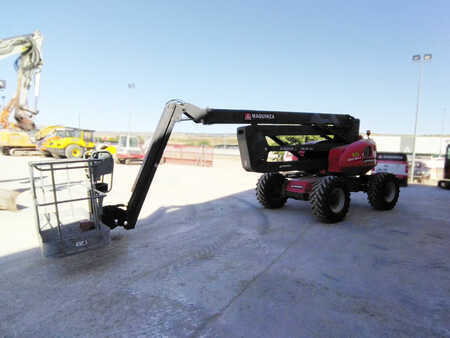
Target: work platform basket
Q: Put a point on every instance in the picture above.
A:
(68, 197)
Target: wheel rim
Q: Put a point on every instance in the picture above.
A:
(76, 152)
(389, 191)
(337, 200)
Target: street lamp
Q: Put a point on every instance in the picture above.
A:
(131, 86)
(418, 59)
(2, 89)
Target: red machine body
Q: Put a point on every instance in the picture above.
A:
(300, 186)
(356, 158)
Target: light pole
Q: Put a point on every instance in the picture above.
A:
(442, 131)
(2, 89)
(131, 86)
(418, 59)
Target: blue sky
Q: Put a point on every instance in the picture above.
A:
(321, 56)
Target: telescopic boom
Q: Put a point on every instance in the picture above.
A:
(252, 144)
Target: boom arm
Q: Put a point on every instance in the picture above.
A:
(28, 66)
(345, 128)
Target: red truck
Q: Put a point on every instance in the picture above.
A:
(128, 150)
(393, 163)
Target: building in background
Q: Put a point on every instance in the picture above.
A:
(426, 146)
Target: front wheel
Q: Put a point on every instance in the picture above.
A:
(269, 190)
(330, 199)
(383, 191)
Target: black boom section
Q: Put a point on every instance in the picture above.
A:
(254, 149)
(252, 144)
(115, 215)
(233, 116)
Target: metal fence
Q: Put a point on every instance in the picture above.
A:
(190, 155)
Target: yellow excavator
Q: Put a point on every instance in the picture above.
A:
(18, 136)
(21, 136)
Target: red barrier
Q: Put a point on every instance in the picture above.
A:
(192, 155)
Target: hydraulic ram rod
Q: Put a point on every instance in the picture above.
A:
(119, 215)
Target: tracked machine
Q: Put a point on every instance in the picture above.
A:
(324, 173)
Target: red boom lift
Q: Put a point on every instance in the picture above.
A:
(325, 172)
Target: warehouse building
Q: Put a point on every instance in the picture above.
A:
(426, 146)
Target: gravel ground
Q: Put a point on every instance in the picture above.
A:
(206, 260)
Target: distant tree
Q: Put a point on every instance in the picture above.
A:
(204, 142)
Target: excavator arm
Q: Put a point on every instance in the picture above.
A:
(252, 145)
(28, 67)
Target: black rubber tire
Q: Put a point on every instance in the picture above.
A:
(444, 185)
(383, 191)
(269, 190)
(74, 148)
(330, 199)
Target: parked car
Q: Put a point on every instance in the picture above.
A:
(129, 149)
(421, 171)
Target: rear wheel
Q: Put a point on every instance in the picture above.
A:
(269, 190)
(383, 191)
(74, 151)
(330, 199)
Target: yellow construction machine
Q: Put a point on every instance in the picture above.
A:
(66, 142)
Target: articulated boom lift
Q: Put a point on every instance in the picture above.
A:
(325, 172)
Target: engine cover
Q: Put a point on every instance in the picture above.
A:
(356, 158)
